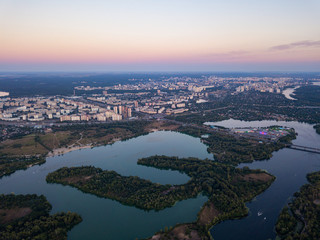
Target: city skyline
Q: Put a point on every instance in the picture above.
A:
(159, 35)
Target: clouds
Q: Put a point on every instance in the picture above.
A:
(301, 44)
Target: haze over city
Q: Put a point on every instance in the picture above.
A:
(150, 35)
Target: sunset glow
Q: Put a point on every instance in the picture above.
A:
(163, 35)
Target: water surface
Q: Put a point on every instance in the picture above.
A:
(104, 218)
(289, 92)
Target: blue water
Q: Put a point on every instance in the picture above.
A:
(104, 218)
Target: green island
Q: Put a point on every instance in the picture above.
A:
(227, 188)
(301, 219)
(317, 128)
(27, 217)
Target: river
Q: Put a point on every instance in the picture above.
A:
(290, 168)
(289, 92)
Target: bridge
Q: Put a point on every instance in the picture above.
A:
(304, 148)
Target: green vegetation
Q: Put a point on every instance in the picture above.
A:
(305, 209)
(286, 222)
(309, 95)
(27, 217)
(198, 117)
(317, 128)
(227, 187)
(132, 191)
(233, 149)
(10, 165)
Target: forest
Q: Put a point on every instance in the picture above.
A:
(227, 187)
(27, 217)
(301, 220)
(308, 95)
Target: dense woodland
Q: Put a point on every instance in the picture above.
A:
(308, 95)
(131, 191)
(227, 187)
(303, 210)
(231, 149)
(27, 217)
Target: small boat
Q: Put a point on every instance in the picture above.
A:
(260, 213)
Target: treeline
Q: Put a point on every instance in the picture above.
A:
(134, 126)
(98, 133)
(27, 217)
(198, 117)
(9, 165)
(228, 148)
(303, 210)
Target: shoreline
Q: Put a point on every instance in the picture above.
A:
(62, 151)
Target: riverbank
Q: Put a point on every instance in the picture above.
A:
(61, 151)
(303, 209)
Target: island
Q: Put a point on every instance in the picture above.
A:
(227, 189)
(300, 220)
(317, 128)
(27, 217)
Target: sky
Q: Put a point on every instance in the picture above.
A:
(160, 35)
